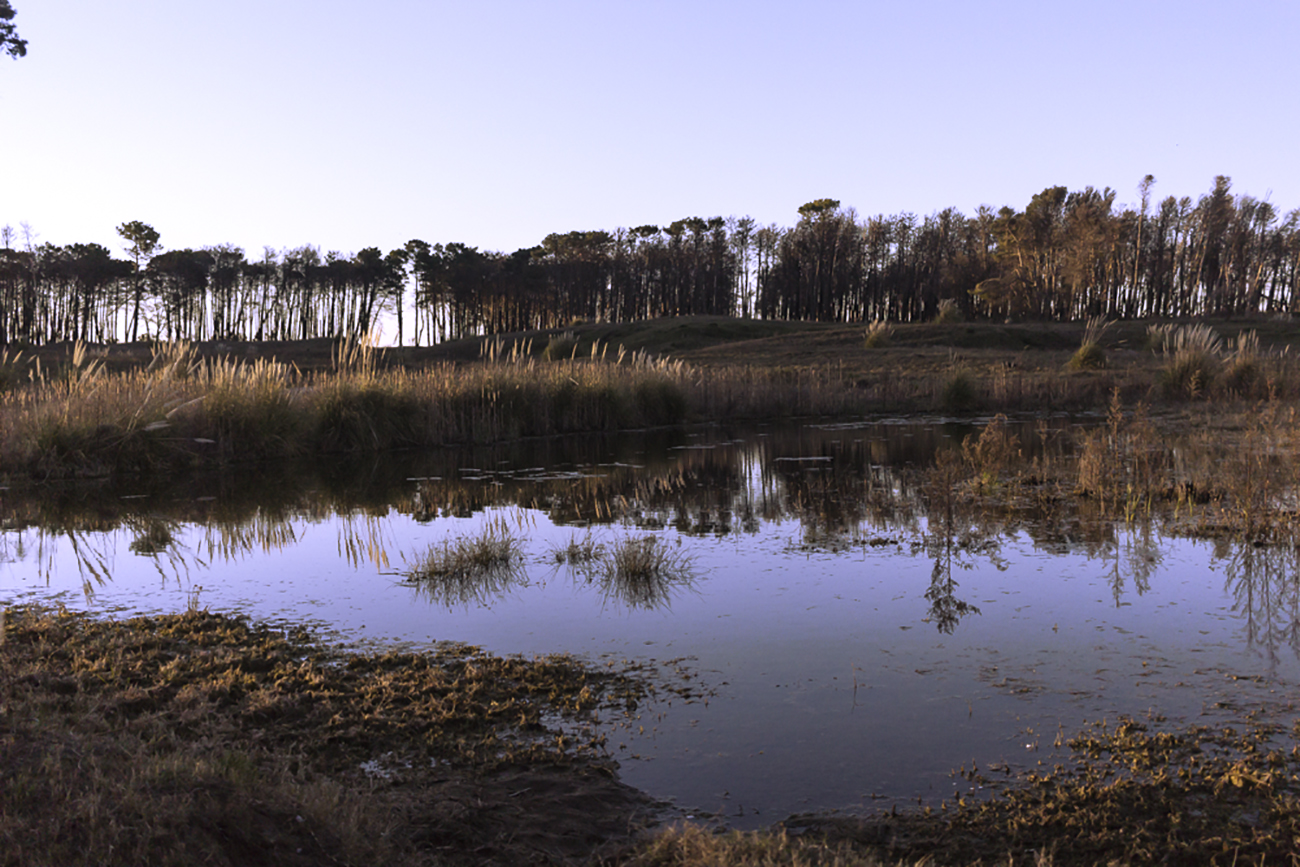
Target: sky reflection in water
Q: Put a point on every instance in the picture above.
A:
(855, 653)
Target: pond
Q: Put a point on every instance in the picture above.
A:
(848, 640)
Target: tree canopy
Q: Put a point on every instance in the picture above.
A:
(1068, 254)
(9, 41)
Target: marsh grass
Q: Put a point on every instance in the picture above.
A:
(643, 572)
(470, 569)
(1192, 361)
(77, 418)
(1242, 368)
(638, 571)
(153, 537)
(580, 554)
(202, 739)
(877, 335)
(1124, 466)
(959, 392)
(991, 455)
(1158, 336)
(695, 846)
(1090, 355)
(178, 412)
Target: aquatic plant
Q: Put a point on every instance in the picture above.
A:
(467, 569)
(990, 454)
(643, 571)
(584, 553)
(1123, 466)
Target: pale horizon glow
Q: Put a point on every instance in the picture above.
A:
(283, 123)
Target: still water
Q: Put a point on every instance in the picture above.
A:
(848, 644)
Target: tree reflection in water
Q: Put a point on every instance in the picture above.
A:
(950, 494)
(1264, 581)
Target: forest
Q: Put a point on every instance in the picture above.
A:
(1065, 256)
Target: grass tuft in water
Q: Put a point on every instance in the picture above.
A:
(470, 569)
(643, 572)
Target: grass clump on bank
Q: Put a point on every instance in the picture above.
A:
(877, 335)
(1191, 361)
(1090, 355)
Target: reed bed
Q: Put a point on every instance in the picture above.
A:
(81, 420)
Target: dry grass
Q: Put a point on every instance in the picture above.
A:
(1090, 355)
(89, 417)
(637, 571)
(581, 554)
(692, 846)
(199, 739)
(470, 569)
(948, 313)
(877, 335)
(1192, 360)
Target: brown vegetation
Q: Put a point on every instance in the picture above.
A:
(199, 738)
(96, 412)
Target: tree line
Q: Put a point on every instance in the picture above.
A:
(1066, 255)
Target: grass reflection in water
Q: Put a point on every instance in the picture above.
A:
(640, 572)
(470, 569)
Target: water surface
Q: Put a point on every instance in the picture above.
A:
(850, 644)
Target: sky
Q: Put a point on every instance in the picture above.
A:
(495, 123)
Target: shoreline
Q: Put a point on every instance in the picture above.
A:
(246, 743)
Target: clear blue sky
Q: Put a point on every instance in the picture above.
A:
(346, 125)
